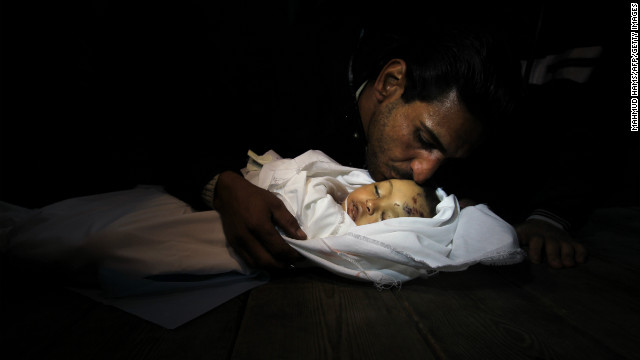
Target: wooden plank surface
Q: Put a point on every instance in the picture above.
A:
(523, 311)
(613, 234)
(598, 298)
(477, 315)
(601, 297)
(316, 315)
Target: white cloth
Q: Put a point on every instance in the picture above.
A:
(155, 257)
(145, 232)
(312, 186)
(142, 240)
(387, 252)
(141, 232)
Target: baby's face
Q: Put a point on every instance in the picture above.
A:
(386, 200)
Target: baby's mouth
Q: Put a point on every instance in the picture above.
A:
(353, 211)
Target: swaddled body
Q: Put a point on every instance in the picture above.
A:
(145, 232)
(387, 252)
(312, 187)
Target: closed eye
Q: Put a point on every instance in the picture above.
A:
(428, 140)
(377, 192)
(424, 142)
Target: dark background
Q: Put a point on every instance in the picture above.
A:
(96, 92)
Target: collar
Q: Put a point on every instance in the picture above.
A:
(360, 90)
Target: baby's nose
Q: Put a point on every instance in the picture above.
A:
(371, 206)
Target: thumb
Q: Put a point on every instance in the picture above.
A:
(288, 223)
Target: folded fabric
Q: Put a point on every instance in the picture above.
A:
(155, 257)
(143, 231)
(149, 247)
(388, 252)
(311, 186)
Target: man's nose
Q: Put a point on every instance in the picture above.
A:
(423, 169)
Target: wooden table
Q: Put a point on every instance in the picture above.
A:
(523, 311)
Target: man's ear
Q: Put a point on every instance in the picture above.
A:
(391, 80)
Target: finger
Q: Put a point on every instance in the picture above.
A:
(523, 239)
(260, 256)
(535, 248)
(277, 248)
(581, 253)
(567, 253)
(288, 223)
(552, 250)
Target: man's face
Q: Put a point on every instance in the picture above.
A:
(410, 141)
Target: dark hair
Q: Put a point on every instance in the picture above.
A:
(476, 63)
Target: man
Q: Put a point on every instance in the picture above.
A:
(159, 95)
(430, 100)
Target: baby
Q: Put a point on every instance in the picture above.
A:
(390, 199)
(328, 199)
(130, 236)
(144, 241)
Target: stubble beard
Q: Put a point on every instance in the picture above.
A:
(377, 145)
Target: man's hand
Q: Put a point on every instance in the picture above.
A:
(249, 219)
(545, 240)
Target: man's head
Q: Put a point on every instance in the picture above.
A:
(434, 99)
(390, 199)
